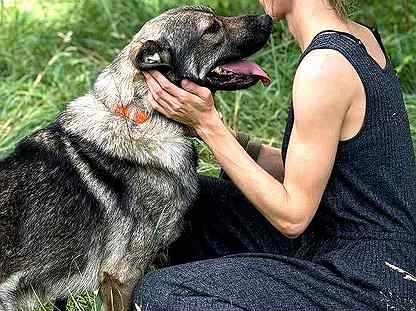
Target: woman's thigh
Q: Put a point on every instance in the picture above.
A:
(223, 222)
(251, 282)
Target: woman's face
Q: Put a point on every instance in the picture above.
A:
(276, 8)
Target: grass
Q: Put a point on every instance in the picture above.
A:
(51, 51)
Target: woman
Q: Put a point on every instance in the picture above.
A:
(346, 185)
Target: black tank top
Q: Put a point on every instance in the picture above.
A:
(372, 189)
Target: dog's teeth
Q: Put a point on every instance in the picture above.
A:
(219, 70)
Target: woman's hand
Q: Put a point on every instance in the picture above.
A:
(193, 105)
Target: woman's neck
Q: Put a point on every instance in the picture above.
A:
(307, 18)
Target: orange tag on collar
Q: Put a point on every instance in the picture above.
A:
(142, 117)
(123, 111)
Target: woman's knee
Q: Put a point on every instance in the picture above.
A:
(154, 292)
(160, 289)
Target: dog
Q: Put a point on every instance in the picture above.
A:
(104, 189)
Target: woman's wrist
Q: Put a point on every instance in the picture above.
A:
(211, 127)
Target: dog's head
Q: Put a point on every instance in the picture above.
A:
(194, 43)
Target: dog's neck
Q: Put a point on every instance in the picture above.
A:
(116, 117)
(138, 118)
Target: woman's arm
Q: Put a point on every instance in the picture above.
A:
(322, 94)
(269, 158)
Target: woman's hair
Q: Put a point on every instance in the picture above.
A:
(343, 7)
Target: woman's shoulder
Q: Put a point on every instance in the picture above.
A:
(324, 63)
(326, 72)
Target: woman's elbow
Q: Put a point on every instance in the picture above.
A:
(292, 230)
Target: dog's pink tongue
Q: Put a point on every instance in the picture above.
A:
(249, 69)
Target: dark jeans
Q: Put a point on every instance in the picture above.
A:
(231, 258)
(222, 223)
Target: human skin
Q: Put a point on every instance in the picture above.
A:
(329, 106)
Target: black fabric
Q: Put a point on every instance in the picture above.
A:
(231, 258)
(360, 250)
(371, 190)
(222, 223)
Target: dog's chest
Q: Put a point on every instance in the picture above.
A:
(150, 215)
(160, 200)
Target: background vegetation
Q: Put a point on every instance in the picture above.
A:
(52, 50)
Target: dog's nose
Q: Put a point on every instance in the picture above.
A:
(266, 23)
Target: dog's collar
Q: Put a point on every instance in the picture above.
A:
(138, 118)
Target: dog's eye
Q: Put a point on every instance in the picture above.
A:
(215, 27)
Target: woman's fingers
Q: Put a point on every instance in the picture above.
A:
(161, 106)
(202, 92)
(154, 86)
(166, 85)
(181, 94)
(178, 104)
(160, 94)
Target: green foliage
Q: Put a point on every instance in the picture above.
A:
(51, 51)
(343, 7)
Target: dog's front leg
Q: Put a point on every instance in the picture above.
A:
(114, 295)
(110, 294)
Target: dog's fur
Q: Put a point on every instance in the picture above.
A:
(96, 194)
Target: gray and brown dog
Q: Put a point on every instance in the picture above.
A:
(102, 190)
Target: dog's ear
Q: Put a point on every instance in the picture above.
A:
(152, 55)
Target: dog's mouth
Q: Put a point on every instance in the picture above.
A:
(237, 75)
